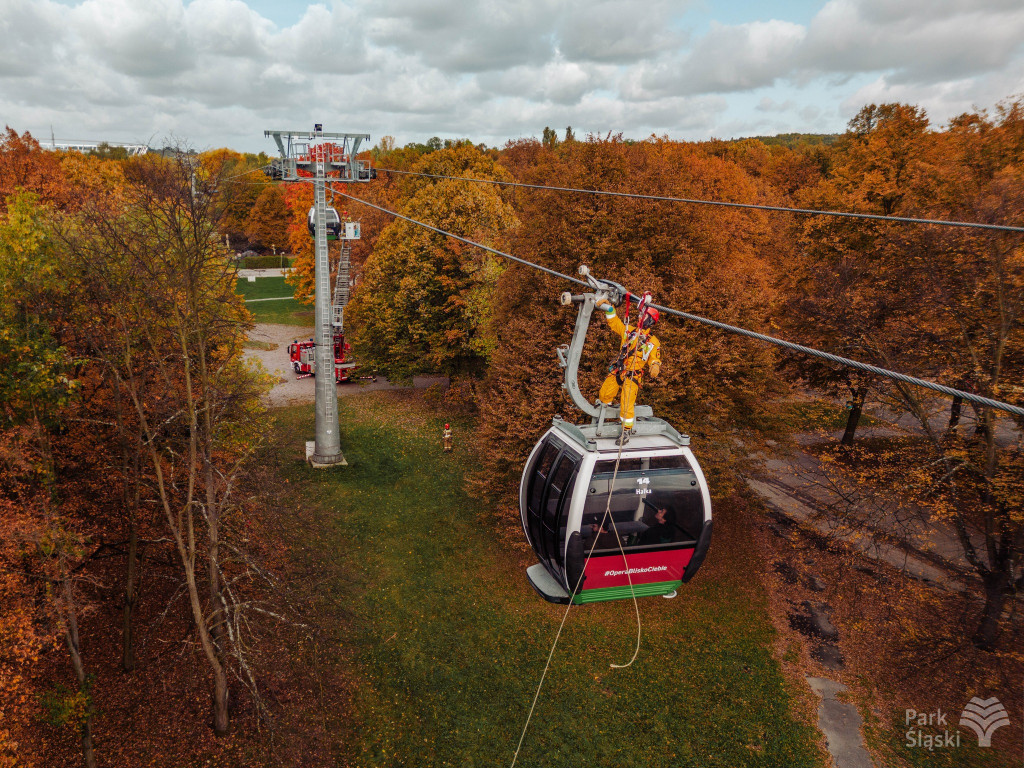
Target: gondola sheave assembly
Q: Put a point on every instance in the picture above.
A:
(659, 498)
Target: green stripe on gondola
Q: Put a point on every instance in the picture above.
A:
(624, 592)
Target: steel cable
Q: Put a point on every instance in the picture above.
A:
(722, 203)
(792, 347)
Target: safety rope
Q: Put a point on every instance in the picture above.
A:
(622, 441)
(575, 591)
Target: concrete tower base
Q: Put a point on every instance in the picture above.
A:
(323, 462)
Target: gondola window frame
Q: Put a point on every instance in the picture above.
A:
(546, 530)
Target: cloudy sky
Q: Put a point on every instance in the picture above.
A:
(219, 72)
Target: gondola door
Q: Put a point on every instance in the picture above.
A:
(548, 497)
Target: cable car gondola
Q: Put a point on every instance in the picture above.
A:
(660, 507)
(333, 221)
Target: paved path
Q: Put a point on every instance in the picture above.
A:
(783, 498)
(841, 724)
(275, 272)
(289, 390)
(909, 538)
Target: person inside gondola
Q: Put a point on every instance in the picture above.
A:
(628, 532)
(661, 527)
(605, 537)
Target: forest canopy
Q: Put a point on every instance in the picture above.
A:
(130, 417)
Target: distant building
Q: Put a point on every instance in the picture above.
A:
(94, 146)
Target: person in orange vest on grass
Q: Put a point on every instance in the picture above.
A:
(639, 348)
(446, 438)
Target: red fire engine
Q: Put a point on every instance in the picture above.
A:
(303, 357)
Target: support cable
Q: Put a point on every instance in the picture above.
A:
(865, 367)
(722, 203)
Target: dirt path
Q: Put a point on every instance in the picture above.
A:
(799, 487)
(289, 390)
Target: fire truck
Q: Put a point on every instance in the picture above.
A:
(303, 357)
(303, 353)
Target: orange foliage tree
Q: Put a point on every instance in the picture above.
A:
(715, 387)
(424, 302)
(942, 302)
(266, 225)
(25, 165)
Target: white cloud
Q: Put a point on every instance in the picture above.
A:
(462, 38)
(139, 39)
(25, 27)
(228, 28)
(945, 99)
(736, 58)
(218, 72)
(727, 58)
(918, 42)
(326, 42)
(617, 31)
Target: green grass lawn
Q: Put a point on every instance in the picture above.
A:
(427, 606)
(286, 311)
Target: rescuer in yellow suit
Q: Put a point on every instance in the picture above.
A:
(639, 348)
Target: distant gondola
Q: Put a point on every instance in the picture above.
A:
(333, 222)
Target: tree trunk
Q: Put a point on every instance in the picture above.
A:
(71, 638)
(221, 720)
(954, 413)
(130, 598)
(218, 608)
(221, 716)
(991, 616)
(853, 419)
(218, 629)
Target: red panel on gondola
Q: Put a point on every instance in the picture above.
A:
(644, 568)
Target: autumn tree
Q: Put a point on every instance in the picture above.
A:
(241, 183)
(164, 320)
(846, 288)
(940, 302)
(42, 537)
(266, 226)
(424, 302)
(715, 387)
(25, 165)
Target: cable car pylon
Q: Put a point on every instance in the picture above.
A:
(318, 157)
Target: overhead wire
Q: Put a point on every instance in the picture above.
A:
(721, 203)
(240, 175)
(788, 345)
